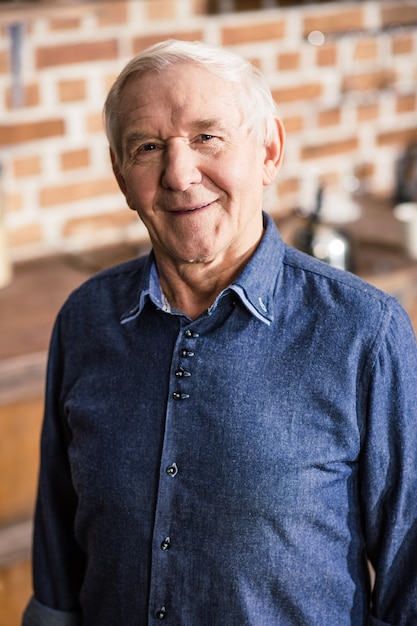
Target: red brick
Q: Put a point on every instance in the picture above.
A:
(141, 43)
(326, 55)
(329, 149)
(402, 44)
(112, 13)
(331, 117)
(287, 186)
(94, 123)
(29, 97)
(293, 124)
(27, 166)
(160, 9)
(372, 80)
(331, 21)
(200, 7)
(63, 194)
(72, 90)
(76, 53)
(289, 61)
(85, 225)
(115, 12)
(4, 63)
(74, 159)
(367, 112)
(30, 131)
(406, 103)
(266, 31)
(397, 137)
(24, 235)
(300, 92)
(13, 202)
(365, 50)
(64, 23)
(399, 13)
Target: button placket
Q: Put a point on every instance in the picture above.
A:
(181, 378)
(183, 370)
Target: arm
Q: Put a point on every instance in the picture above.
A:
(389, 475)
(58, 561)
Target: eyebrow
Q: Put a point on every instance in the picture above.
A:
(203, 124)
(211, 123)
(134, 138)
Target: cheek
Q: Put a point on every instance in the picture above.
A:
(141, 190)
(242, 178)
(232, 174)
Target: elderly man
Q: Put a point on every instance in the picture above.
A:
(230, 430)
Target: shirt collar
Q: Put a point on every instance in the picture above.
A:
(255, 286)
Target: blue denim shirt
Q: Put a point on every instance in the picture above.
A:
(235, 470)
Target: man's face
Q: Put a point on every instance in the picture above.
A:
(194, 175)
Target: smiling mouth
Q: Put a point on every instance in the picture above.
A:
(191, 209)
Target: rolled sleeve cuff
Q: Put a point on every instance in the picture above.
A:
(372, 621)
(37, 614)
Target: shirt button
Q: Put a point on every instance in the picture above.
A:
(186, 353)
(172, 470)
(190, 333)
(182, 373)
(166, 544)
(161, 613)
(180, 396)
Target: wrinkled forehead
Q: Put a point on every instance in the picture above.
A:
(184, 88)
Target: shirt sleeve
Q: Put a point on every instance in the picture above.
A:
(36, 614)
(389, 473)
(58, 560)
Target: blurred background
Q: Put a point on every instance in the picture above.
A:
(344, 75)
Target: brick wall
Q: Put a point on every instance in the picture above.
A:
(347, 97)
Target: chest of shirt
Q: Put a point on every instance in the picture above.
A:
(240, 406)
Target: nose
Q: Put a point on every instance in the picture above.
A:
(181, 166)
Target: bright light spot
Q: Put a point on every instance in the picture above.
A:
(351, 183)
(337, 247)
(316, 38)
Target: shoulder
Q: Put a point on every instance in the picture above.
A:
(336, 296)
(349, 313)
(313, 273)
(112, 288)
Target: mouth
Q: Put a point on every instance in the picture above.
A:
(184, 210)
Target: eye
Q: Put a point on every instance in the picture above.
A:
(205, 137)
(148, 147)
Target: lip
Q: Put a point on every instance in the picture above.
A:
(183, 210)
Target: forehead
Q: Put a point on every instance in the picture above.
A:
(180, 94)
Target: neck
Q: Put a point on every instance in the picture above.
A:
(193, 287)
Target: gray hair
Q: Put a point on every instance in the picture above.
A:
(258, 107)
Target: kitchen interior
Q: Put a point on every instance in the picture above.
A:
(344, 75)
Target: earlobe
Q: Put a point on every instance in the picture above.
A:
(273, 154)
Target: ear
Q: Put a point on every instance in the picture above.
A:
(273, 154)
(120, 178)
